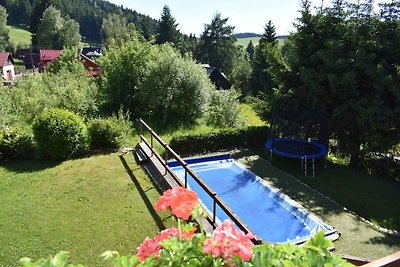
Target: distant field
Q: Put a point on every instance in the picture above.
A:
(19, 36)
(245, 41)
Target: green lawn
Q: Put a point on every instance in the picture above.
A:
(19, 36)
(85, 206)
(374, 198)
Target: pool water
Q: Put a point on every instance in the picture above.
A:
(269, 214)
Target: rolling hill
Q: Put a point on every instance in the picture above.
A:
(19, 37)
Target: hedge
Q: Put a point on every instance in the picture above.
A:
(253, 136)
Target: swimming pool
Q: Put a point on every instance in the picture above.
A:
(271, 215)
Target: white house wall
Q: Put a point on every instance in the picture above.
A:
(8, 68)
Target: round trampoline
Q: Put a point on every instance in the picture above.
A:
(296, 148)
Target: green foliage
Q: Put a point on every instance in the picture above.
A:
(224, 109)
(60, 134)
(117, 30)
(314, 252)
(167, 29)
(61, 259)
(153, 81)
(175, 88)
(124, 68)
(241, 72)
(253, 136)
(260, 79)
(55, 32)
(4, 37)
(109, 133)
(15, 144)
(68, 61)
(250, 50)
(216, 45)
(342, 62)
(72, 91)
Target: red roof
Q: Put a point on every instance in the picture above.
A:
(4, 56)
(49, 55)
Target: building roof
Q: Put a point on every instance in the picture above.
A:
(4, 57)
(49, 55)
(92, 51)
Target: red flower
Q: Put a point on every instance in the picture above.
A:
(167, 233)
(180, 200)
(149, 247)
(229, 242)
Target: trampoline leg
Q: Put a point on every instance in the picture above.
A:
(305, 166)
(313, 168)
(302, 163)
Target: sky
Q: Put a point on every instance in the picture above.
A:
(245, 15)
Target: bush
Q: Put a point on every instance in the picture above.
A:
(224, 109)
(223, 139)
(60, 134)
(109, 132)
(15, 144)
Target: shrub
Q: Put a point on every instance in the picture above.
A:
(60, 134)
(15, 144)
(224, 109)
(109, 132)
(223, 139)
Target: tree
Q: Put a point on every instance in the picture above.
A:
(167, 29)
(117, 30)
(217, 44)
(261, 80)
(54, 32)
(4, 37)
(39, 7)
(250, 50)
(344, 63)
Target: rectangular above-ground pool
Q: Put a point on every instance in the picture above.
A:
(269, 214)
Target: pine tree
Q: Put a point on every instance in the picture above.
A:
(261, 80)
(217, 44)
(269, 35)
(167, 29)
(250, 50)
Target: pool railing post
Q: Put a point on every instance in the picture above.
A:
(214, 208)
(185, 178)
(166, 161)
(151, 143)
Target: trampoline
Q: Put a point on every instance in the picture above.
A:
(302, 141)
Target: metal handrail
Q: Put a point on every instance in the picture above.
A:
(216, 199)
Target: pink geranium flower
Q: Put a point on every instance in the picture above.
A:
(149, 247)
(229, 242)
(180, 200)
(167, 233)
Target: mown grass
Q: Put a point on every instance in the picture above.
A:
(19, 36)
(85, 206)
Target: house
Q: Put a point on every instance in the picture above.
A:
(41, 59)
(7, 67)
(20, 53)
(93, 68)
(217, 78)
(92, 52)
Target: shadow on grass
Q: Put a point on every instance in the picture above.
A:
(26, 166)
(385, 240)
(143, 195)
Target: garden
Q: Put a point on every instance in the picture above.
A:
(70, 182)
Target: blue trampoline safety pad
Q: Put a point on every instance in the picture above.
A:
(296, 148)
